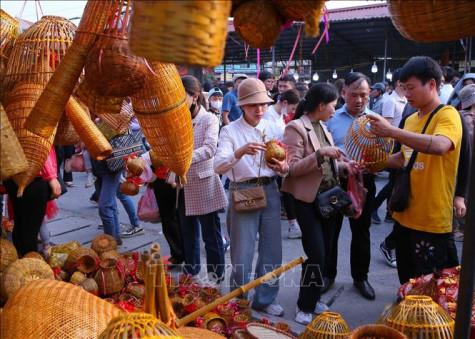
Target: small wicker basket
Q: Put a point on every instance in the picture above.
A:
(376, 332)
(186, 32)
(77, 278)
(90, 285)
(97, 103)
(103, 243)
(327, 325)
(112, 254)
(83, 259)
(34, 255)
(66, 135)
(109, 278)
(8, 254)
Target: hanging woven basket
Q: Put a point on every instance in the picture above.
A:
(187, 32)
(327, 325)
(307, 10)
(66, 135)
(421, 20)
(55, 309)
(257, 23)
(8, 254)
(119, 122)
(103, 243)
(97, 103)
(82, 259)
(9, 31)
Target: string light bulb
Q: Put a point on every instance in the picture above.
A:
(374, 68)
(315, 77)
(389, 75)
(296, 76)
(334, 76)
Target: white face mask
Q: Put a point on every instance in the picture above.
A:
(283, 111)
(217, 105)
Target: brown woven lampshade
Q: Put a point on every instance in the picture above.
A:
(55, 309)
(161, 31)
(308, 11)
(163, 114)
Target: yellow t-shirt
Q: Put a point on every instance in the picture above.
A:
(432, 176)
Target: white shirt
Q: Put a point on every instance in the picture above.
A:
(393, 106)
(445, 92)
(272, 115)
(237, 134)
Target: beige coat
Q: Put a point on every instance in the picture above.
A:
(305, 174)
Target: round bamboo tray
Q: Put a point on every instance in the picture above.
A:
(83, 259)
(8, 254)
(55, 309)
(457, 17)
(66, 134)
(12, 158)
(327, 325)
(376, 332)
(103, 243)
(119, 122)
(308, 11)
(258, 331)
(21, 272)
(257, 23)
(138, 325)
(161, 31)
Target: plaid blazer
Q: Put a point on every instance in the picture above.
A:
(204, 192)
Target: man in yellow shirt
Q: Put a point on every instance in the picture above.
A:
(423, 228)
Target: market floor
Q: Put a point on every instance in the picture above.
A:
(78, 219)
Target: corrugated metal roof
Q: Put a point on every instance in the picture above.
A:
(359, 12)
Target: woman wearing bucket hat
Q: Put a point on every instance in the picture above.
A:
(240, 157)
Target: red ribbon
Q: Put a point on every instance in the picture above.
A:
(258, 63)
(135, 180)
(293, 51)
(325, 32)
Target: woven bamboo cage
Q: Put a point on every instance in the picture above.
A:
(161, 109)
(456, 15)
(109, 278)
(66, 134)
(22, 271)
(365, 147)
(112, 254)
(328, 325)
(47, 111)
(103, 243)
(9, 31)
(308, 11)
(257, 23)
(77, 278)
(138, 325)
(161, 31)
(55, 309)
(38, 51)
(90, 285)
(119, 122)
(376, 332)
(83, 259)
(8, 254)
(18, 104)
(94, 140)
(12, 158)
(419, 316)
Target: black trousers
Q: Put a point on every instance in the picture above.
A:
(288, 201)
(29, 212)
(360, 250)
(317, 240)
(386, 191)
(166, 201)
(418, 252)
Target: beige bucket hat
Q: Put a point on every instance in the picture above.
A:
(252, 91)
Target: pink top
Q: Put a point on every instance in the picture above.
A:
(50, 167)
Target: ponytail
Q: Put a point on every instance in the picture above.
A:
(316, 95)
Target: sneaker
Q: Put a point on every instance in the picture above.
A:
(302, 317)
(94, 200)
(274, 309)
(89, 181)
(375, 217)
(133, 231)
(321, 307)
(294, 231)
(226, 244)
(388, 218)
(119, 241)
(69, 183)
(101, 227)
(389, 254)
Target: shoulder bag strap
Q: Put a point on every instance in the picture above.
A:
(258, 174)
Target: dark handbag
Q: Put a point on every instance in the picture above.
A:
(402, 184)
(333, 201)
(123, 146)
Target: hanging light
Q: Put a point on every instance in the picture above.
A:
(334, 76)
(307, 81)
(389, 75)
(351, 70)
(315, 76)
(296, 76)
(374, 68)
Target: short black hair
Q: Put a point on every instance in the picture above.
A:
(449, 73)
(353, 77)
(396, 76)
(264, 75)
(288, 77)
(423, 68)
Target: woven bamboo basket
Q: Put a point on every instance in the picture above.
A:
(365, 147)
(308, 11)
(108, 278)
(34, 255)
(328, 325)
(90, 285)
(18, 104)
(163, 114)
(257, 23)
(103, 243)
(428, 15)
(258, 331)
(97, 103)
(137, 325)
(376, 332)
(136, 289)
(119, 122)
(22, 271)
(66, 134)
(8, 254)
(55, 309)
(9, 31)
(82, 259)
(419, 316)
(154, 159)
(77, 278)
(47, 112)
(95, 142)
(187, 332)
(112, 254)
(38, 51)
(62, 276)
(188, 32)
(12, 158)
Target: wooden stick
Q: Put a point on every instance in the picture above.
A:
(241, 290)
(161, 293)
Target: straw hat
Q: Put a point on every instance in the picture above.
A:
(252, 91)
(467, 96)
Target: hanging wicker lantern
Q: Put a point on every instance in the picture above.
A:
(307, 10)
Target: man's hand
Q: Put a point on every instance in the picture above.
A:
(459, 207)
(380, 126)
(251, 148)
(55, 188)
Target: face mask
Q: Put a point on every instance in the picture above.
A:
(283, 111)
(216, 105)
(192, 108)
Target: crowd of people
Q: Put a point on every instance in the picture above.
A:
(425, 109)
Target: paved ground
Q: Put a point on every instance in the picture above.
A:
(78, 220)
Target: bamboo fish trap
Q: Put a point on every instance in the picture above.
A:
(47, 111)
(161, 109)
(328, 325)
(9, 31)
(186, 32)
(12, 158)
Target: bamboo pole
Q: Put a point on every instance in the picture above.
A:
(161, 293)
(241, 290)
